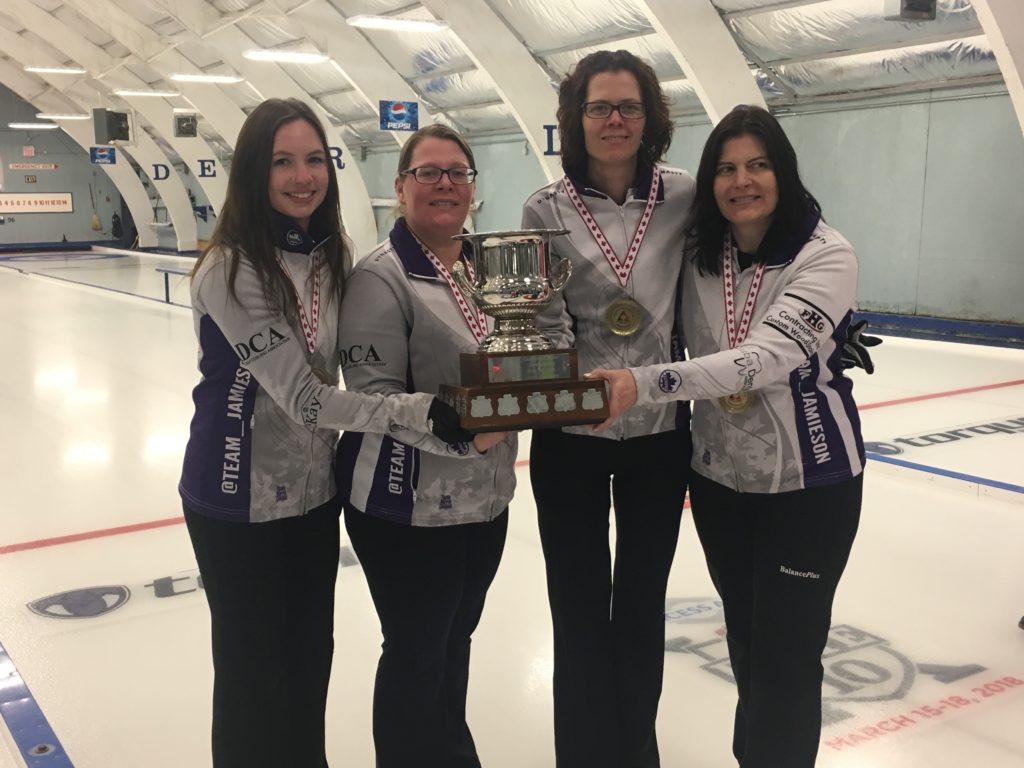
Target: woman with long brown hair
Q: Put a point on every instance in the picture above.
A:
(257, 485)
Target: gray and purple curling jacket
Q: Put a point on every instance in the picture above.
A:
(403, 332)
(578, 316)
(265, 428)
(802, 429)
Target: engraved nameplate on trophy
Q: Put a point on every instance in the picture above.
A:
(517, 379)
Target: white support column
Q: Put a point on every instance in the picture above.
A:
(129, 186)
(122, 175)
(520, 81)
(707, 52)
(1003, 22)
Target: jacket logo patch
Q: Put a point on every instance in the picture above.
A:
(749, 366)
(669, 381)
(259, 344)
(293, 238)
(311, 413)
(360, 355)
(813, 319)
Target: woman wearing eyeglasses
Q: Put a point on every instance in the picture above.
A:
(625, 215)
(427, 519)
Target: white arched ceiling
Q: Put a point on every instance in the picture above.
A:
(223, 114)
(369, 72)
(517, 45)
(1003, 22)
(122, 175)
(145, 152)
(271, 80)
(207, 25)
(520, 80)
(197, 154)
(707, 53)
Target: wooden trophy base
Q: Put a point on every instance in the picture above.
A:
(524, 390)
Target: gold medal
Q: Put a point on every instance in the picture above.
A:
(737, 402)
(623, 317)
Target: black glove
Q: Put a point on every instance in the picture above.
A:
(855, 350)
(443, 421)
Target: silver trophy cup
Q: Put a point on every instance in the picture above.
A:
(513, 282)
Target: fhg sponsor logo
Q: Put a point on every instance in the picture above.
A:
(814, 319)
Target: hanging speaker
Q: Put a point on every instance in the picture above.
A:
(910, 10)
(186, 126)
(110, 126)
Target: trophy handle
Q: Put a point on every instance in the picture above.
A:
(561, 275)
(459, 274)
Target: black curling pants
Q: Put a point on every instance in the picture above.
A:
(776, 560)
(609, 622)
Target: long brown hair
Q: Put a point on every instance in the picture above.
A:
(244, 229)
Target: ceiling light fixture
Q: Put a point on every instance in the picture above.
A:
(33, 126)
(395, 23)
(285, 57)
(45, 116)
(182, 77)
(56, 70)
(130, 92)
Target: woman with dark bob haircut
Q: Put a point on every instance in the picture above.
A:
(778, 459)
(625, 214)
(257, 485)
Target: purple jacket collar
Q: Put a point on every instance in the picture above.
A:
(781, 244)
(290, 236)
(641, 187)
(411, 254)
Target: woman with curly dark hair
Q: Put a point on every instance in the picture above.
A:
(625, 214)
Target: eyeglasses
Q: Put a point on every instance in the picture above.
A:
(431, 174)
(630, 110)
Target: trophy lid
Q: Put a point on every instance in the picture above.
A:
(492, 239)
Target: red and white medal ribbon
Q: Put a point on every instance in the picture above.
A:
(309, 324)
(737, 335)
(474, 316)
(622, 268)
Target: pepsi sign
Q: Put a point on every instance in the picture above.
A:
(102, 155)
(399, 115)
